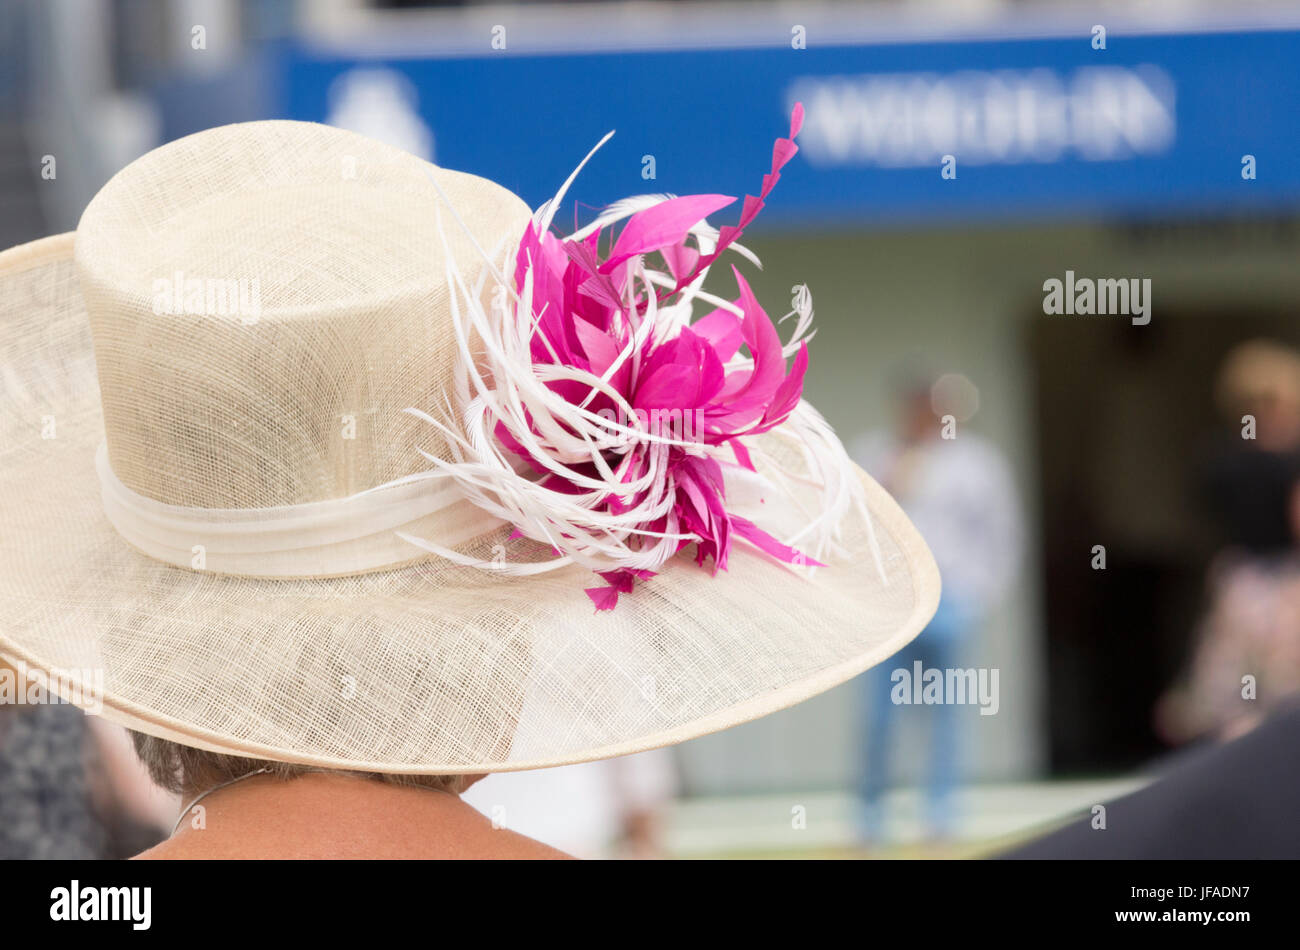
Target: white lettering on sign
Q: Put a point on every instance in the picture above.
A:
(906, 120)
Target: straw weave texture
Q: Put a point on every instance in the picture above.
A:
(428, 667)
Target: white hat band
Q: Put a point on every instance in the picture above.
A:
(318, 539)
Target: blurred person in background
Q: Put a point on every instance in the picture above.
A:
(71, 786)
(1252, 486)
(958, 490)
(611, 808)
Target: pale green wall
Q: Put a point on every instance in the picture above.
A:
(961, 299)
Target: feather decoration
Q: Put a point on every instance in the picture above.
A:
(593, 413)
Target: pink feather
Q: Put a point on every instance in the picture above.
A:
(582, 297)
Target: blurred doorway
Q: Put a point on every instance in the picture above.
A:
(1126, 419)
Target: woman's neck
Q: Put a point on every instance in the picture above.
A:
(332, 815)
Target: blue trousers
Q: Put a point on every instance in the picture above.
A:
(939, 646)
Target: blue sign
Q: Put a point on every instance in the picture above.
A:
(895, 133)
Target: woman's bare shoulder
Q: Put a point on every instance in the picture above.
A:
(463, 834)
(504, 846)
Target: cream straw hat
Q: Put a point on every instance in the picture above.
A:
(284, 463)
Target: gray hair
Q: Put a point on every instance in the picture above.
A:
(186, 770)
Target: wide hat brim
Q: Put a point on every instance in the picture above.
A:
(427, 668)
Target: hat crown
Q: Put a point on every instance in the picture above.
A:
(266, 299)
